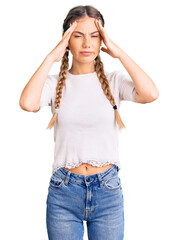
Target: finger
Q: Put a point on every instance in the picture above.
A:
(70, 33)
(72, 23)
(100, 28)
(97, 25)
(103, 33)
(70, 29)
(104, 49)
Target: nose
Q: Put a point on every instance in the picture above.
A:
(86, 42)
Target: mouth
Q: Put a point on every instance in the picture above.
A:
(86, 53)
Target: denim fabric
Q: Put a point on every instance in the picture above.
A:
(74, 198)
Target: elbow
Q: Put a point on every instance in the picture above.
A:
(148, 98)
(28, 108)
(155, 95)
(23, 106)
(22, 103)
(152, 97)
(28, 105)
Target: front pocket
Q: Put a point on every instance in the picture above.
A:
(113, 183)
(56, 181)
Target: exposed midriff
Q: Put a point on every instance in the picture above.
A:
(88, 169)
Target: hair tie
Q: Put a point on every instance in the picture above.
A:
(115, 107)
(56, 110)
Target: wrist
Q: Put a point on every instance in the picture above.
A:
(50, 58)
(120, 53)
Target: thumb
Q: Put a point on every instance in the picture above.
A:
(104, 49)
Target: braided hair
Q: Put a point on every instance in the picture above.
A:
(76, 13)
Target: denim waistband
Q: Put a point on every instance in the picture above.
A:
(83, 179)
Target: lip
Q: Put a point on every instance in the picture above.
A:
(86, 53)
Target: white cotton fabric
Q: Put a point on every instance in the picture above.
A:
(86, 130)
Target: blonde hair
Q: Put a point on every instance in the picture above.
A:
(76, 13)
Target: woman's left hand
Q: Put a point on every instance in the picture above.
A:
(112, 49)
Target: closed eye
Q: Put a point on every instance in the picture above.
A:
(92, 36)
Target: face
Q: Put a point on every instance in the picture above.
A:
(85, 38)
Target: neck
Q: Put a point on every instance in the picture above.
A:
(82, 67)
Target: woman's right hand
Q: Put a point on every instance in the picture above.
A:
(58, 52)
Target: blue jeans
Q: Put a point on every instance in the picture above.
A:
(74, 198)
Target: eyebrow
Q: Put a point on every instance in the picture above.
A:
(83, 33)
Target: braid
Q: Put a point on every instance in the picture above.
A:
(104, 84)
(77, 13)
(106, 88)
(59, 87)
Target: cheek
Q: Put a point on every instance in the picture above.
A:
(75, 43)
(97, 41)
(74, 47)
(72, 44)
(96, 44)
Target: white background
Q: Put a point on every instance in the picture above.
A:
(146, 31)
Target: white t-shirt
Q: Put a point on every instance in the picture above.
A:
(86, 130)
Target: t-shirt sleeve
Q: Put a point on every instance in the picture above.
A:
(122, 85)
(48, 91)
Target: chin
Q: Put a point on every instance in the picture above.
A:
(85, 59)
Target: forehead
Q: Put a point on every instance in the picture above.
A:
(86, 24)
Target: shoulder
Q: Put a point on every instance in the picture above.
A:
(52, 80)
(116, 74)
(114, 77)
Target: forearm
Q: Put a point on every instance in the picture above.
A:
(31, 94)
(144, 85)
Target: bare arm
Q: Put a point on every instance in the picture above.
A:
(146, 91)
(31, 94)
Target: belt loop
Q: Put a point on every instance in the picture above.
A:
(66, 179)
(100, 179)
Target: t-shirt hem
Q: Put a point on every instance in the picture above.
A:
(93, 163)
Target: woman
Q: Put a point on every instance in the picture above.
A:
(85, 184)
